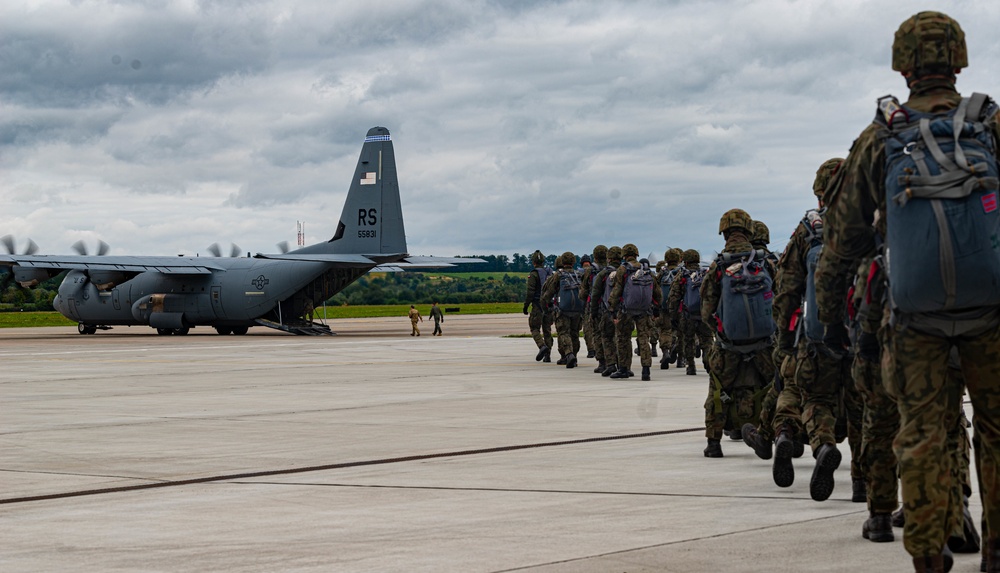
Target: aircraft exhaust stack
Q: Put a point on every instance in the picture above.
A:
(372, 220)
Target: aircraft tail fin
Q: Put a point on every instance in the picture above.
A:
(372, 220)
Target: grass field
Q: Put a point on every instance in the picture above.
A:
(29, 319)
(497, 275)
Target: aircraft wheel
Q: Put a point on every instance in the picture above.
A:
(182, 331)
(164, 331)
(82, 328)
(91, 330)
(223, 330)
(240, 330)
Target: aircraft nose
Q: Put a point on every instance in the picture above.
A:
(57, 303)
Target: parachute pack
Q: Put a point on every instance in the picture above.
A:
(745, 315)
(942, 244)
(692, 292)
(569, 299)
(810, 326)
(543, 274)
(667, 278)
(637, 294)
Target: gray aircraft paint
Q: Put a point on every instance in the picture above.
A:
(176, 293)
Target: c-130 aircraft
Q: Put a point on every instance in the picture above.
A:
(175, 294)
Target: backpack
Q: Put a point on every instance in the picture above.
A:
(942, 244)
(692, 292)
(637, 294)
(745, 306)
(667, 278)
(810, 325)
(543, 275)
(609, 281)
(569, 299)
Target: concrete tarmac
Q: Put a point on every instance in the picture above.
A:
(377, 451)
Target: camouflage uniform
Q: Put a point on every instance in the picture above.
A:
(740, 377)
(690, 328)
(539, 320)
(567, 324)
(915, 361)
(606, 326)
(589, 270)
(668, 335)
(591, 311)
(625, 322)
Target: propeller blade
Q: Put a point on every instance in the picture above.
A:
(8, 241)
(215, 250)
(283, 247)
(102, 248)
(80, 248)
(235, 251)
(32, 248)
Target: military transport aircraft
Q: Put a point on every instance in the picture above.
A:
(175, 294)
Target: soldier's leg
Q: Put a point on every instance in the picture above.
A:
(547, 319)
(980, 358)
(562, 323)
(724, 368)
(964, 538)
(588, 333)
(623, 332)
(644, 334)
(879, 426)
(535, 325)
(914, 372)
(854, 409)
(704, 339)
(608, 342)
(821, 379)
(575, 322)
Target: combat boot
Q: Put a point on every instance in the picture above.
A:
(714, 449)
(934, 563)
(691, 369)
(541, 352)
(827, 461)
(609, 370)
(969, 541)
(859, 492)
(665, 361)
(571, 360)
(991, 555)
(645, 373)
(548, 355)
(591, 353)
(798, 449)
(681, 362)
(782, 471)
(697, 351)
(878, 528)
(561, 361)
(652, 350)
(600, 367)
(621, 373)
(752, 438)
(638, 350)
(898, 518)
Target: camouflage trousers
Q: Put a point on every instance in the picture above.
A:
(643, 325)
(928, 394)
(568, 329)
(788, 405)
(878, 429)
(597, 337)
(694, 332)
(540, 324)
(608, 339)
(829, 397)
(734, 381)
(666, 335)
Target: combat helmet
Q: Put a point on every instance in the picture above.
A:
(824, 174)
(735, 219)
(761, 234)
(691, 257)
(929, 42)
(538, 259)
(559, 262)
(601, 254)
(673, 256)
(630, 250)
(568, 259)
(615, 254)
(585, 259)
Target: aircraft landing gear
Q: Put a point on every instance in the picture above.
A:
(164, 331)
(240, 330)
(181, 331)
(85, 329)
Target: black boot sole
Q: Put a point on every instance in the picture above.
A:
(821, 483)
(783, 472)
(877, 536)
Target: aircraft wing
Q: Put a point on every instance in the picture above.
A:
(138, 264)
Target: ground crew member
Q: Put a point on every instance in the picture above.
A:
(414, 317)
(438, 317)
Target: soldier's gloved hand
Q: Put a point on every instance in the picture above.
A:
(868, 347)
(525, 309)
(835, 338)
(780, 353)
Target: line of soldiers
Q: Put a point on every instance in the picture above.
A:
(886, 307)
(613, 293)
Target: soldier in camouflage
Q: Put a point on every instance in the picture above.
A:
(687, 321)
(625, 320)
(567, 323)
(738, 380)
(599, 295)
(592, 309)
(669, 336)
(928, 50)
(539, 320)
(587, 270)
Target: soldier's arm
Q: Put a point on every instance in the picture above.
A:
(549, 288)
(529, 296)
(657, 295)
(848, 234)
(616, 291)
(674, 299)
(711, 293)
(790, 284)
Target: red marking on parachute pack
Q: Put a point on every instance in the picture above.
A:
(990, 202)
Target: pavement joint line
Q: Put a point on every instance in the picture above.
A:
(680, 541)
(326, 467)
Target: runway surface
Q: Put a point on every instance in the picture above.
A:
(377, 451)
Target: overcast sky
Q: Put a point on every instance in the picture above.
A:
(162, 127)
